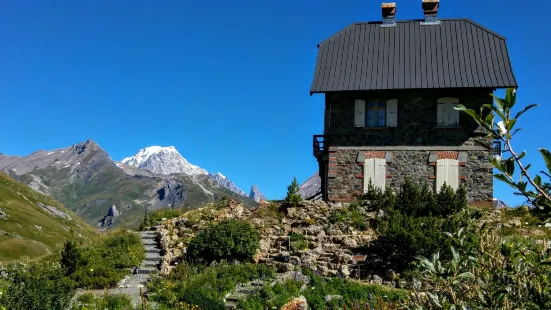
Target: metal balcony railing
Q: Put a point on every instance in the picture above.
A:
(320, 144)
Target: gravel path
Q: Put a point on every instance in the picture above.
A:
(137, 280)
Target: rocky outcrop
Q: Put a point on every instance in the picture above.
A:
(303, 237)
(255, 194)
(54, 211)
(310, 187)
(110, 218)
(298, 303)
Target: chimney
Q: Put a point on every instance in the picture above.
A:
(430, 9)
(389, 12)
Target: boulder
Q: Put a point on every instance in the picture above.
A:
(298, 303)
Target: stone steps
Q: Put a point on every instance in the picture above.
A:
(152, 264)
(145, 270)
(149, 242)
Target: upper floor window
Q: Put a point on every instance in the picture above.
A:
(376, 113)
(447, 115)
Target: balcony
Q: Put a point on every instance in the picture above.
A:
(320, 145)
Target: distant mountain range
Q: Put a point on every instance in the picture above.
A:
(106, 193)
(167, 160)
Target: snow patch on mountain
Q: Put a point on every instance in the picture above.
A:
(163, 160)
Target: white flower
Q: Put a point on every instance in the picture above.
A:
(501, 127)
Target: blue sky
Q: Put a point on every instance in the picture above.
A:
(225, 82)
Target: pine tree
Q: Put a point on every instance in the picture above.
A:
(293, 197)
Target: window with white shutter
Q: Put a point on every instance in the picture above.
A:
(376, 113)
(447, 115)
(375, 171)
(447, 171)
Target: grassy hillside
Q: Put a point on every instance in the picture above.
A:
(33, 225)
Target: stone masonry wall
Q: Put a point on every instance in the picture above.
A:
(410, 144)
(417, 118)
(347, 183)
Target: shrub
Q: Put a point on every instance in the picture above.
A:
(111, 302)
(104, 264)
(37, 286)
(415, 222)
(71, 257)
(298, 242)
(203, 286)
(293, 198)
(351, 292)
(493, 274)
(226, 240)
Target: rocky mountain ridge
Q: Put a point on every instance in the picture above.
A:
(255, 194)
(310, 187)
(162, 160)
(87, 181)
(167, 160)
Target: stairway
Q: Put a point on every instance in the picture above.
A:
(137, 280)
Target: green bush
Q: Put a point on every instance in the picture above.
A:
(71, 256)
(350, 215)
(104, 264)
(227, 240)
(111, 302)
(352, 292)
(415, 222)
(493, 274)
(36, 287)
(203, 286)
(298, 242)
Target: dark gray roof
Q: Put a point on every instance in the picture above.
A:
(457, 53)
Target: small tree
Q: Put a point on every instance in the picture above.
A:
(500, 124)
(293, 198)
(71, 257)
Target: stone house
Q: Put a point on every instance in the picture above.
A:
(390, 91)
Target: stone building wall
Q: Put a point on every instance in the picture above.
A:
(411, 147)
(345, 182)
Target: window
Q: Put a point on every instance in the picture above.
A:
(447, 115)
(376, 113)
(375, 171)
(447, 171)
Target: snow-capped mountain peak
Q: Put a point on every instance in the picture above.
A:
(221, 175)
(162, 160)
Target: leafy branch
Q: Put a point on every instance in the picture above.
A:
(538, 193)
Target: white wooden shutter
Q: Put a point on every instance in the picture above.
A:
(447, 171)
(380, 173)
(392, 113)
(453, 173)
(440, 107)
(455, 113)
(441, 168)
(359, 115)
(369, 173)
(446, 114)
